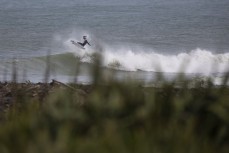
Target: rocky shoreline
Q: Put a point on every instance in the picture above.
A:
(9, 91)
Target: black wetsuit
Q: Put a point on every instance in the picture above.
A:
(84, 43)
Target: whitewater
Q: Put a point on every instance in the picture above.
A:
(137, 58)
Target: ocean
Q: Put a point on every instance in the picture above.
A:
(138, 38)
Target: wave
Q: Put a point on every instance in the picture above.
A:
(135, 57)
(129, 63)
(196, 61)
(140, 58)
(141, 62)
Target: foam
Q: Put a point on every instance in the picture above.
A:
(195, 61)
(134, 58)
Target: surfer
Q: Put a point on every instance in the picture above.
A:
(85, 42)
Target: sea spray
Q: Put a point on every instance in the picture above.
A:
(134, 59)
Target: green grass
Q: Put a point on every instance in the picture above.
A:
(118, 117)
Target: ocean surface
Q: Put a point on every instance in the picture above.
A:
(137, 37)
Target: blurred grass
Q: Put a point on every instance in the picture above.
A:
(118, 117)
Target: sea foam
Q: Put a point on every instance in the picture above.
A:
(135, 58)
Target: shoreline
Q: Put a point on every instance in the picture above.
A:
(40, 90)
(9, 91)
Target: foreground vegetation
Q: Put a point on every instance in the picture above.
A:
(116, 117)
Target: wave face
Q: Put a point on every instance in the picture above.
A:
(140, 58)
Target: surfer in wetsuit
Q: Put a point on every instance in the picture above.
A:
(85, 42)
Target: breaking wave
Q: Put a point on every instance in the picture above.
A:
(137, 58)
(135, 61)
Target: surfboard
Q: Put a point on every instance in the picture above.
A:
(77, 45)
